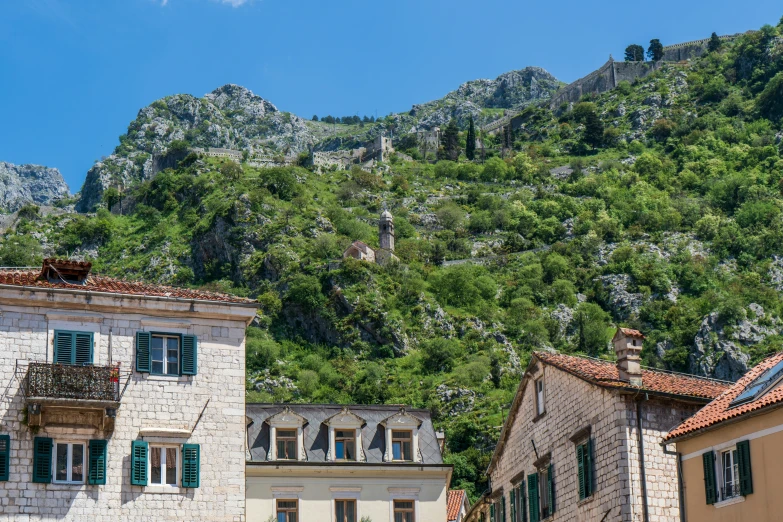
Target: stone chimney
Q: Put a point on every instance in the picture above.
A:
(628, 347)
(440, 436)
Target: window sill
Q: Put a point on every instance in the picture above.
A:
(538, 418)
(163, 490)
(167, 378)
(65, 485)
(586, 500)
(729, 502)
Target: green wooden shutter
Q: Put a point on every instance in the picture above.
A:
(550, 476)
(42, 460)
(710, 486)
(532, 497)
(580, 470)
(139, 451)
(5, 456)
(522, 508)
(503, 509)
(143, 341)
(83, 343)
(96, 473)
(189, 354)
(743, 461)
(190, 465)
(492, 512)
(63, 347)
(589, 470)
(513, 505)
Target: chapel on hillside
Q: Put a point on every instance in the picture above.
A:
(383, 255)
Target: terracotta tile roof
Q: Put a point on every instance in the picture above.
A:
(719, 410)
(605, 374)
(96, 283)
(629, 332)
(455, 498)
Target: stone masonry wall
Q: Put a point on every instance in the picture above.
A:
(571, 404)
(149, 401)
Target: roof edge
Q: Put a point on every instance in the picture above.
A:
(721, 424)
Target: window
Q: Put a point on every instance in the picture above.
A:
(345, 444)
(584, 466)
(729, 474)
(404, 511)
(286, 444)
(345, 510)
(163, 466)
(5, 456)
(402, 448)
(540, 397)
(541, 493)
(165, 354)
(517, 503)
(544, 493)
(286, 511)
(69, 462)
(73, 347)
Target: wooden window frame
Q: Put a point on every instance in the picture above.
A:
(540, 396)
(165, 362)
(287, 511)
(286, 439)
(346, 501)
(345, 439)
(401, 441)
(733, 454)
(411, 510)
(177, 465)
(544, 502)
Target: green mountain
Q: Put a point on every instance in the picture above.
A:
(656, 205)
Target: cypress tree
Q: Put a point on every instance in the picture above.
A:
(451, 141)
(470, 145)
(655, 51)
(714, 44)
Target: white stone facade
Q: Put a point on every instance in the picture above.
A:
(206, 409)
(575, 408)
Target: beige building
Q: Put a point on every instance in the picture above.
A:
(331, 463)
(582, 441)
(385, 253)
(121, 401)
(731, 451)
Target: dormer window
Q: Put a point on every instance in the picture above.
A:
(286, 436)
(402, 445)
(540, 406)
(345, 444)
(286, 445)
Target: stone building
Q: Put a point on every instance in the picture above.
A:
(731, 451)
(121, 401)
(429, 140)
(582, 441)
(385, 253)
(309, 462)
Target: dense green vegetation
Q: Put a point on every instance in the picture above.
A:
(672, 186)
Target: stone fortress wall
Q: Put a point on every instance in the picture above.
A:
(610, 74)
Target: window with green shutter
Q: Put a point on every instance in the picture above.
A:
(492, 513)
(745, 474)
(513, 505)
(550, 476)
(143, 340)
(532, 497)
(139, 452)
(710, 485)
(191, 465)
(73, 347)
(96, 473)
(42, 460)
(589, 469)
(5, 457)
(189, 354)
(584, 466)
(503, 509)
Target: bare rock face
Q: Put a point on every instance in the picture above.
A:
(23, 184)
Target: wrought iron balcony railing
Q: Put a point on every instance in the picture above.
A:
(62, 381)
(729, 491)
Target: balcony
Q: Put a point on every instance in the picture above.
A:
(69, 395)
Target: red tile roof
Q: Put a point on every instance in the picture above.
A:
(95, 283)
(605, 374)
(719, 411)
(629, 332)
(455, 498)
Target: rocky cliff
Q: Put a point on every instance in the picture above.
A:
(22, 184)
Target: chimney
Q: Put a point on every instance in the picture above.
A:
(441, 438)
(628, 347)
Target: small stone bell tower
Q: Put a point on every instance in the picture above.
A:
(386, 231)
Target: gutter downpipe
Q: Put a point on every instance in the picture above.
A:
(680, 485)
(645, 510)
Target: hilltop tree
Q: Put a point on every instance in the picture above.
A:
(451, 141)
(634, 53)
(315, 117)
(714, 43)
(655, 51)
(470, 144)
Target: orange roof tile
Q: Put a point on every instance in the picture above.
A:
(719, 410)
(454, 500)
(95, 283)
(605, 374)
(629, 332)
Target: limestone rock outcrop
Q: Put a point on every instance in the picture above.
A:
(23, 184)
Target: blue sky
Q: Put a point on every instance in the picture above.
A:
(74, 73)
